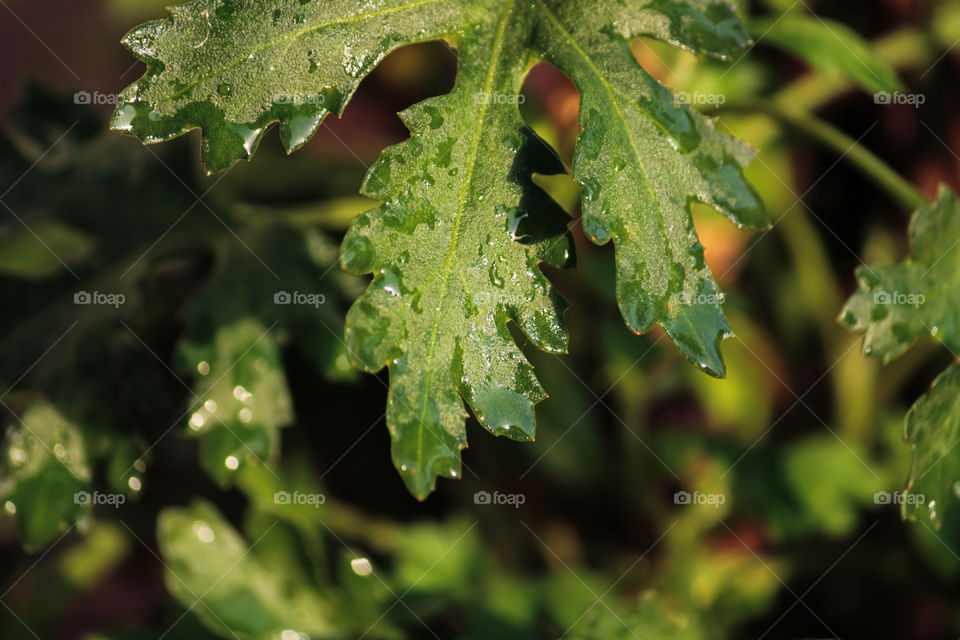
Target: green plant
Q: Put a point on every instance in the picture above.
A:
(462, 188)
(224, 319)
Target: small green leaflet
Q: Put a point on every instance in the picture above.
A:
(46, 475)
(894, 307)
(641, 158)
(242, 593)
(457, 247)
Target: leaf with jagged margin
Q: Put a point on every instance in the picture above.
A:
(46, 480)
(714, 166)
(830, 47)
(233, 67)
(894, 306)
(456, 252)
(642, 157)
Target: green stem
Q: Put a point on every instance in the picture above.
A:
(847, 147)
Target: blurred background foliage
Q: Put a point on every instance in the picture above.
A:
(198, 399)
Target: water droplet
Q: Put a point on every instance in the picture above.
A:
(231, 463)
(225, 89)
(134, 483)
(203, 532)
(361, 566)
(203, 368)
(495, 278)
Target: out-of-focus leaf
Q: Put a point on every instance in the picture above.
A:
(830, 47)
(46, 478)
(242, 398)
(830, 500)
(36, 252)
(209, 561)
(649, 620)
(896, 305)
(260, 291)
(932, 432)
(439, 560)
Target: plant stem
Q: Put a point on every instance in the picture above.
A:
(847, 147)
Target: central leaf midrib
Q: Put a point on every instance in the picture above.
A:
(299, 34)
(455, 234)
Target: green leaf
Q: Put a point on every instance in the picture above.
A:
(828, 501)
(650, 620)
(894, 306)
(241, 399)
(234, 67)
(213, 572)
(261, 288)
(267, 292)
(897, 304)
(35, 253)
(456, 249)
(932, 431)
(642, 157)
(46, 479)
(830, 47)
